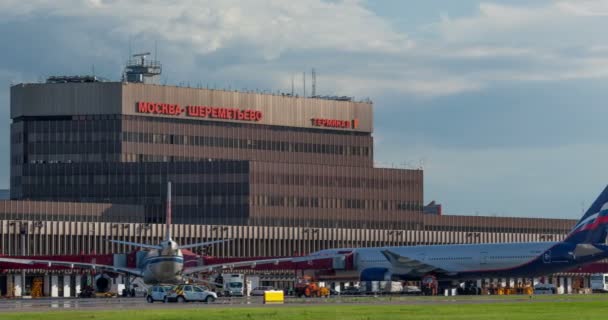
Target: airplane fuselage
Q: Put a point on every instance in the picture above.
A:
(470, 261)
(163, 266)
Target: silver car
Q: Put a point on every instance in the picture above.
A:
(158, 293)
(259, 291)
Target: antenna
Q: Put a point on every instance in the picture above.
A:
(155, 50)
(304, 84)
(292, 89)
(142, 55)
(314, 82)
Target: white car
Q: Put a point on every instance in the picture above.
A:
(187, 292)
(413, 290)
(158, 293)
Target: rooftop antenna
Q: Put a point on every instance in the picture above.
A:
(155, 50)
(142, 56)
(304, 84)
(314, 82)
(292, 88)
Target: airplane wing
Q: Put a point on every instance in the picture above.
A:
(253, 263)
(152, 246)
(410, 265)
(135, 244)
(202, 244)
(72, 264)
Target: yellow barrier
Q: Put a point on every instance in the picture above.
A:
(275, 297)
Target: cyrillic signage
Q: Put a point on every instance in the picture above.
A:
(334, 123)
(223, 113)
(199, 111)
(191, 111)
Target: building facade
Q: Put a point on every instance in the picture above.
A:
(234, 157)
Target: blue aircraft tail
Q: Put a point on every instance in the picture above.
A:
(593, 226)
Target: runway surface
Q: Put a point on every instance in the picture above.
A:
(50, 304)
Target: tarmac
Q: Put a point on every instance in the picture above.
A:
(64, 304)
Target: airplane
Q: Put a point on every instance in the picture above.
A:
(584, 244)
(163, 263)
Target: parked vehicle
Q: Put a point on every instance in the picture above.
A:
(599, 282)
(187, 293)
(545, 288)
(259, 291)
(310, 289)
(391, 287)
(234, 284)
(158, 293)
(352, 291)
(411, 290)
(87, 292)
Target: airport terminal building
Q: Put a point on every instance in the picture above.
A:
(234, 157)
(277, 173)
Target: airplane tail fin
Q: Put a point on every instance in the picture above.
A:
(168, 217)
(593, 226)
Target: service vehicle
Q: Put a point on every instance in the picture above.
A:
(234, 284)
(310, 289)
(158, 293)
(599, 282)
(187, 292)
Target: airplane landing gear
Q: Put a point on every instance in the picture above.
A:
(468, 288)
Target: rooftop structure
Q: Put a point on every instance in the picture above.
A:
(141, 70)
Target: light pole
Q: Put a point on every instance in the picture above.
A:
(23, 232)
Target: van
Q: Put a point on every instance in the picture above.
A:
(545, 288)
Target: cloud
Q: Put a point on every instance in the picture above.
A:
(270, 27)
(524, 43)
(355, 51)
(584, 7)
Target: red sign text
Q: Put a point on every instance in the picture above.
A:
(199, 111)
(333, 123)
(223, 113)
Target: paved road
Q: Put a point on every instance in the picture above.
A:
(49, 304)
(46, 304)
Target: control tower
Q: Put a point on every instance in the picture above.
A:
(140, 70)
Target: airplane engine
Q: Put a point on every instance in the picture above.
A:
(103, 282)
(375, 274)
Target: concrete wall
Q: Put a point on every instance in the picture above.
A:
(67, 238)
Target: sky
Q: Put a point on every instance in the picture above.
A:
(503, 103)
